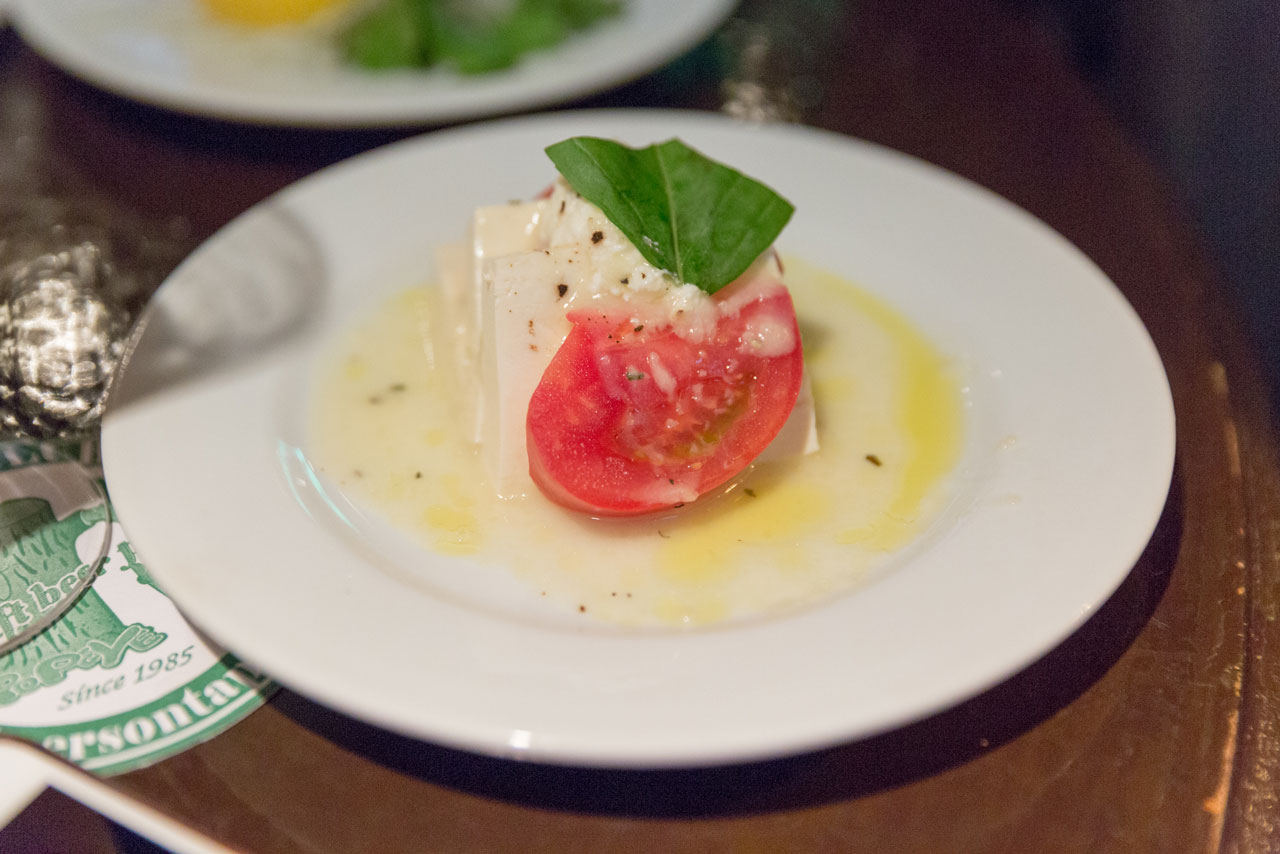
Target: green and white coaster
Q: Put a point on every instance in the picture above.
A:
(119, 680)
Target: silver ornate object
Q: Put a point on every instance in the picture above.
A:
(72, 280)
(63, 338)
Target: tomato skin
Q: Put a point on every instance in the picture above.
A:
(629, 421)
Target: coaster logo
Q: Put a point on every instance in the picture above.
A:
(118, 680)
(183, 713)
(39, 565)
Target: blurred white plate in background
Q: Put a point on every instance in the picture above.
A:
(168, 53)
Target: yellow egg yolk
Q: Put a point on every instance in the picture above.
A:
(267, 13)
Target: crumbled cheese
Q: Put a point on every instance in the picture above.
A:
(768, 336)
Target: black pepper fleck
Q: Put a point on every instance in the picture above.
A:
(625, 279)
(750, 492)
(874, 460)
(597, 236)
(417, 475)
(638, 328)
(562, 206)
(562, 289)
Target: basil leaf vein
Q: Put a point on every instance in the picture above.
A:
(698, 219)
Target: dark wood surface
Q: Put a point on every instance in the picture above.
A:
(1153, 728)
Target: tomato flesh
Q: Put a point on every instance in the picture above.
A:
(629, 420)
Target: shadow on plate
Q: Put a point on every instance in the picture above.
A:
(930, 746)
(249, 294)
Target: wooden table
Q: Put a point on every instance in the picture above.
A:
(1153, 728)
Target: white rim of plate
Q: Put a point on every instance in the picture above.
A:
(988, 591)
(650, 34)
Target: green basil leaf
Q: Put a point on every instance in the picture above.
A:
(687, 214)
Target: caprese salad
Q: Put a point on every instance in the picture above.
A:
(626, 339)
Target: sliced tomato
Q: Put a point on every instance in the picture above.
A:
(632, 420)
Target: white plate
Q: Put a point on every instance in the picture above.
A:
(203, 441)
(165, 52)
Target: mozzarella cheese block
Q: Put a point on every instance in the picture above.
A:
(528, 265)
(523, 324)
(495, 231)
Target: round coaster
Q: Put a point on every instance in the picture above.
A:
(118, 680)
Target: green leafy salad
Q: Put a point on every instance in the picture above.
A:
(470, 37)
